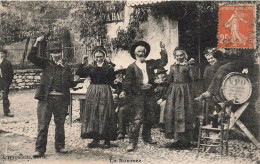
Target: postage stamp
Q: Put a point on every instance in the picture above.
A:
(237, 26)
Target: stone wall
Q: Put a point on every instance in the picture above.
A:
(25, 79)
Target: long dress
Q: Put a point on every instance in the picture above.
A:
(179, 120)
(98, 117)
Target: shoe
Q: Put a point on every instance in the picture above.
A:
(130, 147)
(173, 145)
(120, 136)
(93, 144)
(161, 127)
(62, 150)
(162, 130)
(9, 115)
(185, 145)
(107, 144)
(38, 154)
(150, 141)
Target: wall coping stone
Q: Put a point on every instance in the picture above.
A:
(27, 70)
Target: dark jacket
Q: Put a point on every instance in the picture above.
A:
(131, 84)
(209, 73)
(234, 66)
(7, 71)
(47, 77)
(161, 90)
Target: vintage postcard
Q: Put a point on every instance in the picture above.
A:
(127, 81)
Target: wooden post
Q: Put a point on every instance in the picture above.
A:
(74, 56)
(199, 52)
(62, 51)
(248, 133)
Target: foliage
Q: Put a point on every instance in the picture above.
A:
(90, 20)
(20, 20)
(9, 28)
(125, 38)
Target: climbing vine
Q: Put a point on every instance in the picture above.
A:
(91, 18)
(125, 38)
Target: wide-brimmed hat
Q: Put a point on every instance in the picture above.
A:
(99, 49)
(161, 71)
(140, 43)
(54, 47)
(119, 68)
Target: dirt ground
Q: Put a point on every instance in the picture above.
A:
(18, 135)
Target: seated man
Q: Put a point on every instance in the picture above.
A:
(215, 58)
(121, 103)
(240, 60)
(160, 94)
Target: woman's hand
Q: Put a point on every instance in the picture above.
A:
(192, 61)
(84, 59)
(159, 101)
(162, 45)
(122, 95)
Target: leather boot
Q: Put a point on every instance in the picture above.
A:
(62, 150)
(150, 141)
(9, 115)
(131, 147)
(120, 136)
(93, 144)
(38, 154)
(107, 144)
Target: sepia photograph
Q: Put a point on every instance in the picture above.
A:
(129, 82)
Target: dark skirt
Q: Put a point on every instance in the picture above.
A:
(98, 117)
(179, 121)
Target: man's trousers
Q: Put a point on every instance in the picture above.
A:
(6, 103)
(141, 112)
(123, 118)
(162, 109)
(54, 105)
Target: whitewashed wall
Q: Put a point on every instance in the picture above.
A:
(154, 32)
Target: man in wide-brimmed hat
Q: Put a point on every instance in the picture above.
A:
(6, 77)
(138, 86)
(53, 95)
(160, 95)
(121, 104)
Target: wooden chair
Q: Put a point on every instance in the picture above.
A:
(206, 141)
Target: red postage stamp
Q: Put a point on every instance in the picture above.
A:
(237, 26)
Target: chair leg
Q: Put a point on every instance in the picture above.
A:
(222, 133)
(199, 138)
(226, 147)
(227, 132)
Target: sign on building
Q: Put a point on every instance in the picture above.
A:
(114, 13)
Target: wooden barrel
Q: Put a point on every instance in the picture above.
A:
(237, 87)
